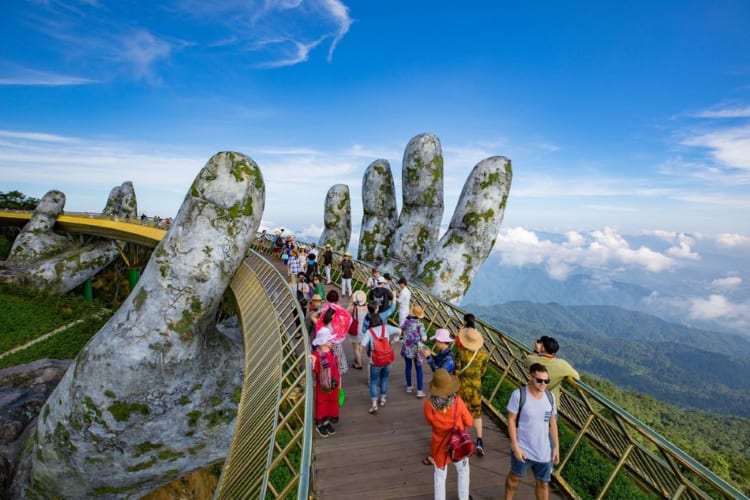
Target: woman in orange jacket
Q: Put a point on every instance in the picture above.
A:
(442, 410)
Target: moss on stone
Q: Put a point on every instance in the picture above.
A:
(196, 387)
(109, 394)
(472, 219)
(145, 447)
(193, 417)
(422, 237)
(142, 465)
(223, 416)
(170, 455)
(236, 395)
(62, 441)
(455, 238)
(122, 410)
(493, 178)
(195, 449)
(428, 272)
(184, 400)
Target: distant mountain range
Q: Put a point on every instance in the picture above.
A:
(684, 366)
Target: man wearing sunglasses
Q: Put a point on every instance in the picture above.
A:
(533, 434)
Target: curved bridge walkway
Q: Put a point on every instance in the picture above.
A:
(379, 456)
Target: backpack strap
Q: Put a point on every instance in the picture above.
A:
(459, 372)
(522, 401)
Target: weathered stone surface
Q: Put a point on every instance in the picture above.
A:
(410, 248)
(379, 212)
(122, 202)
(50, 261)
(449, 268)
(37, 240)
(23, 391)
(154, 394)
(337, 219)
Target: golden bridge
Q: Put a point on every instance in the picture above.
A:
(273, 453)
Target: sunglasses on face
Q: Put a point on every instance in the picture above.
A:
(541, 380)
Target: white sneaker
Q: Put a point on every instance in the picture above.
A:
(420, 394)
(372, 409)
(382, 402)
(409, 390)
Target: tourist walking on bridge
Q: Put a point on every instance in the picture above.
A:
(326, 383)
(532, 429)
(471, 365)
(379, 338)
(444, 357)
(327, 261)
(415, 335)
(445, 410)
(347, 271)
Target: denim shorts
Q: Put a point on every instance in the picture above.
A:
(542, 470)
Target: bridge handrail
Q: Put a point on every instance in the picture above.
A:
(271, 451)
(655, 462)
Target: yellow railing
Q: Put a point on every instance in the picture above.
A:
(271, 448)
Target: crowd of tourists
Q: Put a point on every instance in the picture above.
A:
(458, 362)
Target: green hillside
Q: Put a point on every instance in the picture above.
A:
(687, 367)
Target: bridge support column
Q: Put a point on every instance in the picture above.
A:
(134, 274)
(88, 291)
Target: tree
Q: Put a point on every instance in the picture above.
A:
(16, 200)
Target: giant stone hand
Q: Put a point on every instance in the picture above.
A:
(51, 261)
(409, 246)
(150, 398)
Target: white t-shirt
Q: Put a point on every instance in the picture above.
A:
(532, 429)
(404, 297)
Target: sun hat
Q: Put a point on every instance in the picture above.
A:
(381, 279)
(443, 335)
(328, 245)
(444, 384)
(360, 298)
(470, 338)
(323, 336)
(317, 297)
(347, 254)
(416, 311)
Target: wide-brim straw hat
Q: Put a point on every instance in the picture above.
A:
(328, 246)
(347, 254)
(417, 311)
(444, 384)
(470, 338)
(360, 298)
(317, 297)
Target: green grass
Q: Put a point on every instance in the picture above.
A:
(64, 345)
(27, 314)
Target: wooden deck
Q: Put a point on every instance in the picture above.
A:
(380, 456)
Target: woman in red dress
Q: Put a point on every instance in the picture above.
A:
(326, 382)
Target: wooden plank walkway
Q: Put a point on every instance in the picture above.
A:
(380, 456)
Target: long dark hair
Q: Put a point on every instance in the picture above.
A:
(469, 320)
(328, 316)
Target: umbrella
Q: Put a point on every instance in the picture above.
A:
(339, 324)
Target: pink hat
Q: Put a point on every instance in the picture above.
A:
(443, 335)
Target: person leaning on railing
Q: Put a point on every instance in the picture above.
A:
(545, 352)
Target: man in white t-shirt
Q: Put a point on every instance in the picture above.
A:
(532, 428)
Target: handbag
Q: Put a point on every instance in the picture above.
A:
(460, 444)
(354, 325)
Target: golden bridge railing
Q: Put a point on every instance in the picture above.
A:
(271, 449)
(631, 446)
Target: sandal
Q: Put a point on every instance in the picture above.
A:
(356, 367)
(428, 461)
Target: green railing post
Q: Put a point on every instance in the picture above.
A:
(88, 291)
(134, 274)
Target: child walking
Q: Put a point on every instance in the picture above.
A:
(327, 382)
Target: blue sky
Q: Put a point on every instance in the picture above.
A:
(632, 116)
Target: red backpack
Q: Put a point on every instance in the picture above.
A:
(382, 354)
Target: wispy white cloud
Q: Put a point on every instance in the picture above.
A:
(731, 240)
(728, 282)
(732, 112)
(34, 78)
(142, 50)
(599, 249)
(719, 307)
(340, 13)
(729, 146)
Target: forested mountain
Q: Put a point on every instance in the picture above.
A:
(683, 366)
